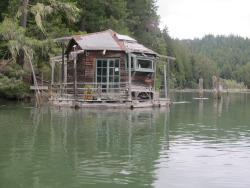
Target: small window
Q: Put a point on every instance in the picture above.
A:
(144, 64)
(141, 64)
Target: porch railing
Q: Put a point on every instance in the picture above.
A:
(91, 91)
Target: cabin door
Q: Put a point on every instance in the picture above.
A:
(108, 74)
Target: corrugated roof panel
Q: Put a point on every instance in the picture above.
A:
(100, 41)
(135, 47)
(124, 37)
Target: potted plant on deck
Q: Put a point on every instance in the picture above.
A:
(88, 92)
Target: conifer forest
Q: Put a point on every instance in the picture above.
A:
(27, 30)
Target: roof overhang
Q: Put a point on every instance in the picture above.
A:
(62, 39)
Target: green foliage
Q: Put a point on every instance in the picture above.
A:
(11, 83)
(12, 88)
(222, 56)
(243, 74)
(88, 89)
(230, 54)
(233, 85)
(40, 11)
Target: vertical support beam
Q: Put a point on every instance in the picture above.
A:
(52, 73)
(154, 76)
(200, 88)
(65, 72)
(42, 78)
(129, 76)
(169, 75)
(75, 75)
(215, 87)
(227, 87)
(220, 88)
(62, 79)
(165, 81)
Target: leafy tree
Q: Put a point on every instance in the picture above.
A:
(143, 21)
(242, 74)
(226, 71)
(98, 15)
(229, 53)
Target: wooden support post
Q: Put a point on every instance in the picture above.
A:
(42, 78)
(227, 87)
(220, 88)
(62, 79)
(168, 81)
(154, 88)
(52, 73)
(75, 76)
(200, 88)
(165, 82)
(129, 76)
(99, 91)
(215, 87)
(65, 72)
(59, 75)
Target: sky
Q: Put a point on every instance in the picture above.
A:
(189, 19)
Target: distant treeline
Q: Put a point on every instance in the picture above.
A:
(230, 55)
(28, 27)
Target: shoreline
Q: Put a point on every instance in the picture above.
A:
(210, 90)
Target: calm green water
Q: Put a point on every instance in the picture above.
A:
(197, 144)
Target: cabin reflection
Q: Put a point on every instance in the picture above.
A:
(111, 145)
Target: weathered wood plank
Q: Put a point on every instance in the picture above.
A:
(39, 87)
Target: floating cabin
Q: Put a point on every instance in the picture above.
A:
(106, 69)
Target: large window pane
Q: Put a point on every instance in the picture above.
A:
(105, 64)
(116, 78)
(111, 79)
(117, 63)
(99, 78)
(99, 63)
(111, 71)
(111, 63)
(116, 71)
(99, 71)
(104, 79)
(104, 71)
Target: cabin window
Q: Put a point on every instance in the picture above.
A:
(141, 64)
(144, 64)
(108, 73)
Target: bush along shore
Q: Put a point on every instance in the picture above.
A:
(12, 84)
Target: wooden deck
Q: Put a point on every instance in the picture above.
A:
(162, 102)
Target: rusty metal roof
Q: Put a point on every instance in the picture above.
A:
(110, 40)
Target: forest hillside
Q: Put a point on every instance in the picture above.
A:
(27, 30)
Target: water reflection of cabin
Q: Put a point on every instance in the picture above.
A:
(106, 68)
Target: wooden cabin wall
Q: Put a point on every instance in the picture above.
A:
(90, 65)
(70, 71)
(86, 66)
(81, 68)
